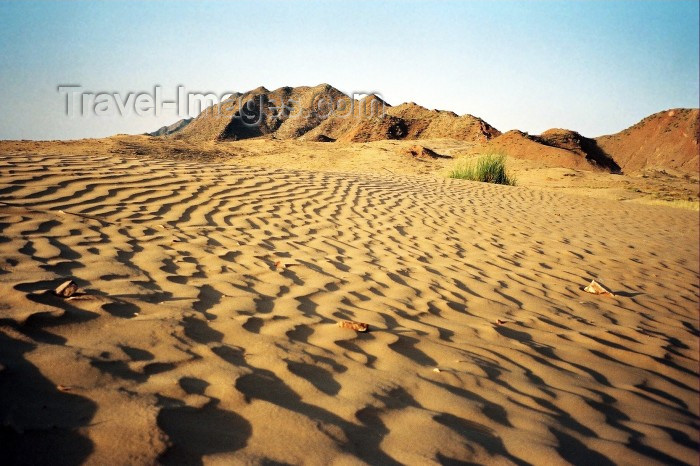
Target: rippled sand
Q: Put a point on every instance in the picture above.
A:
(208, 332)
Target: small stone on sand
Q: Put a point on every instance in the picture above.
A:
(66, 289)
(352, 325)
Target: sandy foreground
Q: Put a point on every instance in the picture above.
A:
(207, 331)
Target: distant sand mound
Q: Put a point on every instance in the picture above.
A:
(664, 140)
(325, 113)
(171, 129)
(286, 112)
(421, 152)
(314, 105)
(358, 121)
(423, 123)
(521, 145)
(321, 138)
(375, 120)
(554, 148)
(580, 145)
(375, 129)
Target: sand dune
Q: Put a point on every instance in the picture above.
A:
(208, 332)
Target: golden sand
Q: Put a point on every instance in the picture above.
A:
(210, 295)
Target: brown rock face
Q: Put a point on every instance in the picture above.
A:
(425, 124)
(664, 140)
(171, 129)
(323, 113)
(286, 113)
(521, 145)
(580, 145)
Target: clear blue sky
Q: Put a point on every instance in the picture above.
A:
(593, 66)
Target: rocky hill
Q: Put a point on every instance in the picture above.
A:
(522, 145)
(171, 129)
(323, 113)
(286, 113)
(580, 145)
(664, 140)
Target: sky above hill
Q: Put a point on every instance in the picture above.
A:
(592, 66)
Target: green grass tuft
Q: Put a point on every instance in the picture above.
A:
(489, 168)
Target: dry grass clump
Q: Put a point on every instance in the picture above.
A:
(489, 168)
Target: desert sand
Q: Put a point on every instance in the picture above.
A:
(205, 328)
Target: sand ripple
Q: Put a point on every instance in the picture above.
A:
(211, 332)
